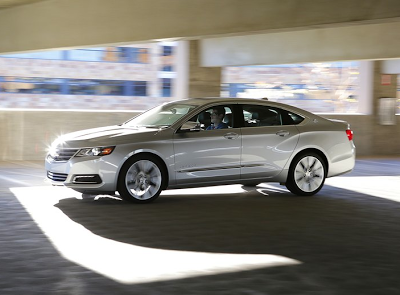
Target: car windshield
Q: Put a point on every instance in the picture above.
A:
(161, 116)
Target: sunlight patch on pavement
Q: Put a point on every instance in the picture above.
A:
(209, 190)
(387, 187)
(222, 190)
(126, 263)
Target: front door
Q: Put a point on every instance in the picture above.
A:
(208, 155)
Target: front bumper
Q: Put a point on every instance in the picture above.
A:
(92, 175)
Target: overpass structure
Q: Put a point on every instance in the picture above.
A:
(215, 34)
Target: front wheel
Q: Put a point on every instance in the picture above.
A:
(306, 174)
(140, 180)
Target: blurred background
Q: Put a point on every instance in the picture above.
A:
(138, 77)
(113, 61)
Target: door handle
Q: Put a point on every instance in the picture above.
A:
(283, 133)
(231, 135)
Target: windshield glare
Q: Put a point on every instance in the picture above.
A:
(164, 115)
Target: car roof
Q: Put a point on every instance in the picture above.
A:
(202, 100)
(234, 100)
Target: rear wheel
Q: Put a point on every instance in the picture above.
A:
(306, 174)
(141, 179)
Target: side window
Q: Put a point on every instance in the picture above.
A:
(217, 117)
(256, 116)
(289, 118)
(297, 119)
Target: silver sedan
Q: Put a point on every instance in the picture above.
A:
(204, 142)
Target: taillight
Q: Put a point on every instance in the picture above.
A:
(349, 133)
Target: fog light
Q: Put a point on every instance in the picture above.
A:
(87, 179)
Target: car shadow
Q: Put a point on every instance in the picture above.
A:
(336, 235)
(255, 221)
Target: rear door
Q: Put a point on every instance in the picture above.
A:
(269, 137)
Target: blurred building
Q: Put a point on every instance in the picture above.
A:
(134, 77)
(140, 76)
(317, 87)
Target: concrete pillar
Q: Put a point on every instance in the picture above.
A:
(366, 85)
(385, 85)
(181, 62)
(154, 89)
(202, 82)
(386, 137)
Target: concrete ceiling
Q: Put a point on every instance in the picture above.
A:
(281, 31)
(12, 3)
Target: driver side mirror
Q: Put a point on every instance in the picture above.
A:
(190, 126)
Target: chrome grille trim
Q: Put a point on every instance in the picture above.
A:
(63, 155)
(57, 176)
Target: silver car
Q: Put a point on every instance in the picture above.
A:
(204, 142)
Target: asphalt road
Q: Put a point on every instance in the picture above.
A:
(215, 240)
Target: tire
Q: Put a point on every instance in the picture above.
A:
(307, 174)
(141, 179)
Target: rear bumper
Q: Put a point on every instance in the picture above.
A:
(343, 164)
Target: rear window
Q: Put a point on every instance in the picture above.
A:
(296, 119)
(257, 115)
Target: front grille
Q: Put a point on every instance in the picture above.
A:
(63, 155)
(57, 176)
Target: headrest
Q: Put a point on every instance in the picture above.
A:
(204, 116)
(254, 116)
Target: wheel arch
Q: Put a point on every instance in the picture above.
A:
(151, 155)
(312, 150)
(292, 182)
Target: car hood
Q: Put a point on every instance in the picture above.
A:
(109, 135)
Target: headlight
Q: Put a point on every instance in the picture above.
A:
(96, 151)
(52, 151)
(54, 148)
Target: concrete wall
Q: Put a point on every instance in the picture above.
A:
(372, 139)
(25, 135)
(357, 42)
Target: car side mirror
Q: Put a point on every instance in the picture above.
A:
(190, 126)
